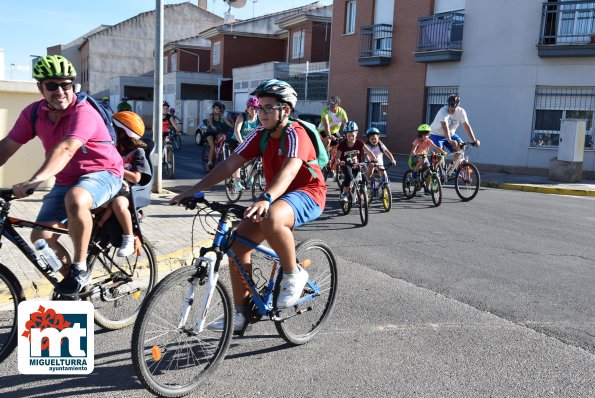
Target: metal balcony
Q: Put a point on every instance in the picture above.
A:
(567, 29)
(440, 37)
(376, 45)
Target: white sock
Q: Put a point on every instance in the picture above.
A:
(81, 266)
(127, 238)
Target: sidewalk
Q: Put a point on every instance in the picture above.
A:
(169, 228)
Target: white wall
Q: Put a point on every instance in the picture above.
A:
(448, 5)
(497, 76)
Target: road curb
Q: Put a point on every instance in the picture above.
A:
(538, 188)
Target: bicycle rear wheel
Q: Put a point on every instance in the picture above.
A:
(363, 204)
(169, 357)
(168, 161)
(307, 319)
(436, 189)
(177, 141)
(467, 181)
(11, 294)
(409, 185)
(233, 194)
(387, 197)
(120, 284)
(346, 205)
(340, 178)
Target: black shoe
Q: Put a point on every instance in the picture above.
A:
(74, 282)
(427, 191)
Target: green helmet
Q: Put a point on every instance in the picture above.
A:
(53, 67)
(423, 128)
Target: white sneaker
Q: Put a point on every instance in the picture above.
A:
(127, 247)
(292, 286)
(344, 197)
(239, 321)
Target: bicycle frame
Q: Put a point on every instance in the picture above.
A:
(225, 236)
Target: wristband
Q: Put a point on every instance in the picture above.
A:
(266, 196)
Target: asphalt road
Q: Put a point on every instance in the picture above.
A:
(488, 298)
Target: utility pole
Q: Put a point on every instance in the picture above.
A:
(158, 96)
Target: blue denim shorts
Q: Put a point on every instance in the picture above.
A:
(102, 185)
(442, 143)
(304, 207)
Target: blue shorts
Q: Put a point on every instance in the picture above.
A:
(102, 185)
(442, 142)
(304, 207)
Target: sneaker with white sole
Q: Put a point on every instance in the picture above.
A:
(344, 197)
(239, 321)
(238, 186)
(127, 246)
(292, 286)
(74, 282)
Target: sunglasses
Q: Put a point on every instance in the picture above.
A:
(332, 103)
(52, 86)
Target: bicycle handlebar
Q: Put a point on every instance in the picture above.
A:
(223, 208)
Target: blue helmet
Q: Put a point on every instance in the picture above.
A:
(350, 127)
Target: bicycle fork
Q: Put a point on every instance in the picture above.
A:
(210, 285)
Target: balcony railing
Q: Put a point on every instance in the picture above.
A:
(567, 29)
(376, 45)
(440, 37)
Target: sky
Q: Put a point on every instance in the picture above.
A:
(28, 27)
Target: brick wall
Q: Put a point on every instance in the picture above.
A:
(238, 51)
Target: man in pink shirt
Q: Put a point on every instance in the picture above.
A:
(79, 153)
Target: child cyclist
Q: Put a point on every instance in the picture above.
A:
(376, 146)
(130, 128)
(420, 148)
(292, 198)
(351, 152)
(246, 122)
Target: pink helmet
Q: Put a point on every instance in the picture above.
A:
(252, 101)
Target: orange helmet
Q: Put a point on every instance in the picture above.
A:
(131, 123)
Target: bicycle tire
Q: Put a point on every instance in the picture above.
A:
(11, 295)
(436, 189)
(387, 198)
(171, 162)
(340, 178)
(364, 214)
(409, 185)
(122, 296)
(177, 142)
(159, 344)
(318, 259)
(258, 183)
(467, 181)
(233, 194)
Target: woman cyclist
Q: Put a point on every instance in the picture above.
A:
(217, 126)
(351, 152)
(246, 122)
(376, 146)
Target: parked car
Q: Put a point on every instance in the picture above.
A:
(310, 118)
(200, 135)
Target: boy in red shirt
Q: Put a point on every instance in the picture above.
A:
(292, 198)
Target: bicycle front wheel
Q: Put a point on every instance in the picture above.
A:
(467, 181)
(170, 357)
(387, 198)
(409, 185)
(204, 159)
(436, 189)
(233, 194)
(363, 204)
(302, 322)
(258, 184)
(120, 284)
(11, 294)
(177, 142)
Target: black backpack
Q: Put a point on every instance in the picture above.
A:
(105, 115)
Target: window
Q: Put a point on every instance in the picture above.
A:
(298, 45)
(174, 62)
(435, 99)
(377, 108)
(350, 17)
(217, 53)
(555, 103)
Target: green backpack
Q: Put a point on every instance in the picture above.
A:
(321, 153)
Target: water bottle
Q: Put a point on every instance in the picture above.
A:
(48, 254)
